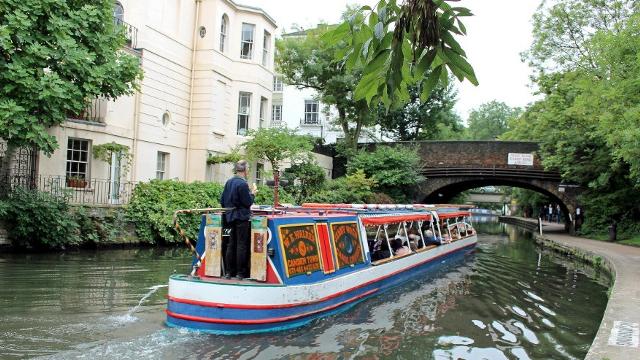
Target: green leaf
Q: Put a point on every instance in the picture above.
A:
(430, 83)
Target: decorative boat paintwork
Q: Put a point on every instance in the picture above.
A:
(317, 262)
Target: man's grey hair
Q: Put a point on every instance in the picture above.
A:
(241, 166)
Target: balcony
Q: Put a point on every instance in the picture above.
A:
(130, 32)
(96, 112)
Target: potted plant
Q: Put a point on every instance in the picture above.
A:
(76, 182)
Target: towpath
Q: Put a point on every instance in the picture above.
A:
(619, 334)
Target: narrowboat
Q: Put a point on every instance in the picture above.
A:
(309, 262)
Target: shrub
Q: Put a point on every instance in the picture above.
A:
(40, 220)
(304, 179)
(396, 170)
(354, 188)
(152, 206)
(264, 196)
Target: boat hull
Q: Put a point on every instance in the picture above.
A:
(228, 308)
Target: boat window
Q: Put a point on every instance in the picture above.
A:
(299, 248)
(346, 241)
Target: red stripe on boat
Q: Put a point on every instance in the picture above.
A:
(325, 246)
(329, 297)
(269, 320)
(381, 220)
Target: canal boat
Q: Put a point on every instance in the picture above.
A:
(311, 261)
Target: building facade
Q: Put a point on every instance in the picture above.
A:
(208, 79)
(300, 108)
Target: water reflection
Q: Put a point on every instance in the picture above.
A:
(506, 300)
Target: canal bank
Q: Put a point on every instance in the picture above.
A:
(618, 336)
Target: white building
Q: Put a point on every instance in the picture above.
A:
(300, 108)
(208, 78)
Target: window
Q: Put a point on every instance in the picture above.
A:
(277, 84)
(311, 112)
(244, 110)
(166, 118)
(246, 43)
(161, 165)
(266, 45)
(224, 25)
(276, 113)
(259, 173)
(263, 111)
(78, 159)
(118, 13)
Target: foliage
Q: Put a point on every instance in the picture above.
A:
(40, 220)
(490, 120)
(396, 170)
(264, 196)
(563, 30)
(304, 179)
(276, 145)
(593, 114)
(55, 56)
(310, 62)
(530, 203)
(105, 152)
(421, 120)
(355, 188)
(152, 206)
(232, 157)
(402, 45)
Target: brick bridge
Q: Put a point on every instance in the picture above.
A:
(451, 167)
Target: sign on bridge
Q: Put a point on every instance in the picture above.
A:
(520, 159)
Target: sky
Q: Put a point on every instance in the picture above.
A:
(496, 35)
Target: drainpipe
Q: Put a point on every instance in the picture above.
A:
(193, 75)
(136, 129)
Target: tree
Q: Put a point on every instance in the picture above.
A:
(304, 179)
(55, 56)
(562, 31)
(310, 62)
(396, 170)
(418, 120)
(587, 123)
(490, 120)
(397, 46)
(276, 145)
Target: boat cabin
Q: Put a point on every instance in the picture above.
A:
(316, 242)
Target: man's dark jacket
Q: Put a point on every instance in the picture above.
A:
(236, 195)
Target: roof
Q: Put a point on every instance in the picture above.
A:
(253, 9)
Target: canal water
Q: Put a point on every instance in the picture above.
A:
(505, 300)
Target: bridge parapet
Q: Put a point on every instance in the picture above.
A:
(477, 154)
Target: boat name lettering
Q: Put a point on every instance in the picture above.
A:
(300, 249)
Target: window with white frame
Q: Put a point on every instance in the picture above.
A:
(78, 159)
(162, 165)
(266, 46)
(244, 111)
(277, 84)
(246, 42)
(311, 112)
(224, 26)
(263, 112)
(259, 173)
(276, 113)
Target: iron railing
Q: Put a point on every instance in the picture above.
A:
(74, 190)
(95, 111)
(130, 32)
(491, 171)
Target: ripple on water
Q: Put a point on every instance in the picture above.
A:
(484, 306)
